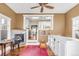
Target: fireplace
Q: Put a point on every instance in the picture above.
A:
(20, 37)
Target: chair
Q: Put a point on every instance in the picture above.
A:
(16, 41)
(43, 44)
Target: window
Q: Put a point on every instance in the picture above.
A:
(4, 27)
(75, 27)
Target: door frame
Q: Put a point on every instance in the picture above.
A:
(24, 16)
(29, 42)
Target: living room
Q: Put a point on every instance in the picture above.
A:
(39, 28)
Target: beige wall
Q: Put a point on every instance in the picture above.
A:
(59, 24)
(8, 12)
(19, 21)
(69, 15)
(59, 27)
(59, 20)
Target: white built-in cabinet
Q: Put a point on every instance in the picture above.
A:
(63, 46)
(53, 43)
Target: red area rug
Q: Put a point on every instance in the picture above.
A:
(33, 50)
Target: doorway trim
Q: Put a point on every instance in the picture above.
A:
(24, 16)
(29, 42)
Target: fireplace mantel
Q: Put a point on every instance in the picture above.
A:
(15, 31)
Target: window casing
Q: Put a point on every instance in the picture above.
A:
(5, 31)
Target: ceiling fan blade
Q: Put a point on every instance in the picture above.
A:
(34, 7)
(42, 4)
(49, 7)
(45, 3)
(41, 9)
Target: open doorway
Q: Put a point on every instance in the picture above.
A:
(33, 32)
(35, 26)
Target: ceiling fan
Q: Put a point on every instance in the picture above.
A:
(42, 5)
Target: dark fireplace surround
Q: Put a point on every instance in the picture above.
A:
(21, 36)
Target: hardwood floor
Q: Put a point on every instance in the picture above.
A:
(16, 51)
(50, 52)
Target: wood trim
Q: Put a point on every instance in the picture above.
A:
(71, 9)
(40, 13)
(9, 8)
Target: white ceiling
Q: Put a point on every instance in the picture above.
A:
(25, 7)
